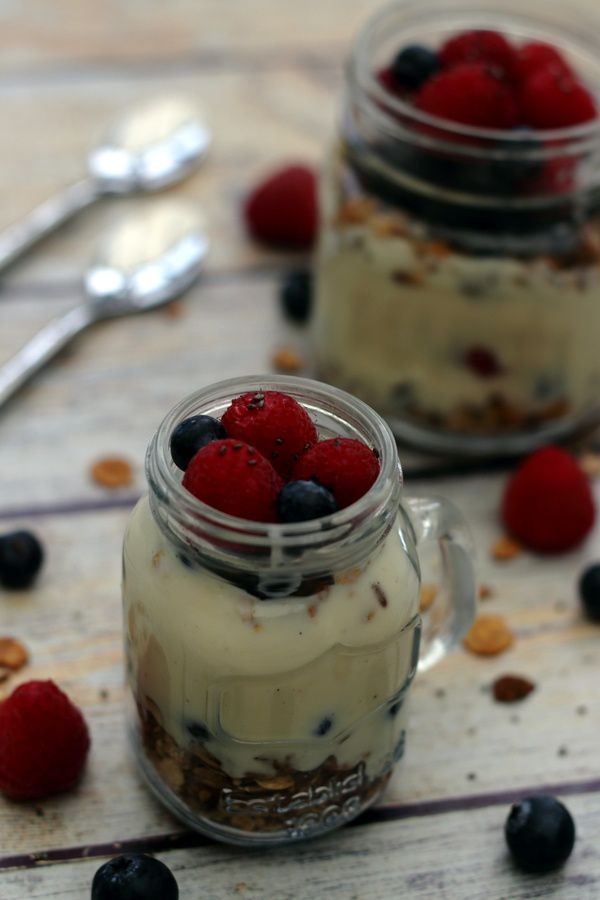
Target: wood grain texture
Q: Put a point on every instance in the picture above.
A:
(439, 857)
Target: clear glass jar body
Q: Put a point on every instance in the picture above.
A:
(268, 665)
(459, 270)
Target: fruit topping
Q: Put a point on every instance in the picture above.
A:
(412, 66)
(548, 504)
(482, 362)
(112, 472)
(540, 833)
(134, 877)
(480, 46)
(233, 477)
(281, 211)
(471, 95)
(191, 435)
(276, 424)
(44, 742)
(511, 688)
(552, 98)
(296, 295)
(538, 55)
(345, 466)
(21, 558)
(589, 591)
(300, 501)
(488, 636)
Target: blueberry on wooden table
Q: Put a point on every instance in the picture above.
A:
(21, 558)
(540, 833)
(191, 435)
(134, 877)
(296, 295)
(589, 591)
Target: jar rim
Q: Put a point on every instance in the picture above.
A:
(553, 142)
(167, 486)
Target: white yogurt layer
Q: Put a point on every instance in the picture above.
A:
(297, 679)
(391, 314)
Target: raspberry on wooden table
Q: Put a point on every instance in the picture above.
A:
(282, 209)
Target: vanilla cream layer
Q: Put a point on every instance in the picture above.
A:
(298, 679)
(387, 315)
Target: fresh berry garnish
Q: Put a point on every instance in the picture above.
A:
(552, 98)
(134, 877)
(548, 504)
(345, 466)
(233, 477)
(21, 558)
(412, 66)
(44, 742)
(480, 46)
(296, 295)
(540, 833)
(192, 434)
(300, 501)
(471, 95)
(274, 423)
(538, 55)
(482, 362)
(282, 209)
(589, 591)
(386, 79)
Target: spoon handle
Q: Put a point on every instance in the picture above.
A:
(41, 348)
(45, 218)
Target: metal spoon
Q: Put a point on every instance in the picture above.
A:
(150, 258)
(151, 146)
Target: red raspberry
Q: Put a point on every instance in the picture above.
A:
(555, 99)
(548, 504)
(482, 362)
(282, 210)
(537, 55)
(233, 477)
(44, 742)
(344, 466)
(483, 46)
(275, 424)
(471, 95)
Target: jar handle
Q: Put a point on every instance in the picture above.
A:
(446, 556)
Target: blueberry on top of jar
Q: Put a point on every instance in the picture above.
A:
(413, 65)
(300, 501)
(191, 435)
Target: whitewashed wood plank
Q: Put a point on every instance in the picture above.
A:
(71, 622)
(458, 856)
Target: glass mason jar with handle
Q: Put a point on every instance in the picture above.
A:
(458, 288)
(269, 664)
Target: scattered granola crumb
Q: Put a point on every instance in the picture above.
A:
(174, 309)
(563, 751)
(485, 592)
(240, 887)
(103, 694)
(581, 710)
(112, 472)
(428, 595)
(511, 688)
(505, 548)
(13, 654)
(440, 692)
(472, 776)
(488, 636)
(286, 359)
(590, 463)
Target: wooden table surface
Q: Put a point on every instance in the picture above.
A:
(268, 73)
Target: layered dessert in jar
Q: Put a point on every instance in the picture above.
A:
(459, 259)
(271, 611)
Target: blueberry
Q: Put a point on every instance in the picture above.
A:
(324, 726)
(540, 833)
(191, 435)
(296, 295)
(135, 877)
(413, 66)
(589, 591)
(300, 501)
(198, 731)
(21, 557)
